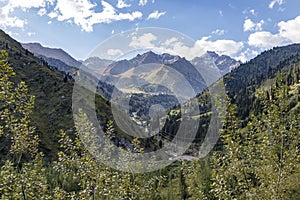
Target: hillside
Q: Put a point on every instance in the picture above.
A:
(58, 65)
(53, 93)
(242, 83)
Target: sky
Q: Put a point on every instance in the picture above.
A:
(240, 29)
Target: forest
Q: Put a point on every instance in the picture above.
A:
(257, 156)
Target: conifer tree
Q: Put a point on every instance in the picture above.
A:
(261, 160)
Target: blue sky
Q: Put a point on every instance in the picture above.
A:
(241, 29)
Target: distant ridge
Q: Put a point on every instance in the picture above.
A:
(53, 94)
(157, 67)
(55, 53)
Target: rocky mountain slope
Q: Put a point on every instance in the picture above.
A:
(242, 83)
(213, 66)
(154, 68)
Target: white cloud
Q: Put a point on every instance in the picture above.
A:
(144, 41)
(52, 15)
(288, 32)
(265, 40)
(122, 4)
(170, 41)
(142, 2)
(187, 51)
(7, 21)
(273, 2)
(12, 21)
(83, 15)
(177, 46)
(249, 25)
(42, 11)
(31, 34)
(109, 15)
(252, 11)
(25, 4)
(246, 55)
(80, 12)
(218, 32)
(290, 29)
(155, 15)
(227, 47)
(114, 52)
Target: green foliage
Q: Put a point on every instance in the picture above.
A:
(261, 160)
(51, 112)
(79, 175)
(182, 184)
(17, 105)
(241, 85)
(22, 176)
(53, 96)
(90, 178)
(198, 175)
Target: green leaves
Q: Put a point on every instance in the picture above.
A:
(85, 177)
(22, 175)
(17, 106)
(260, 160)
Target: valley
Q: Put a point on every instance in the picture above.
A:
(162, 99)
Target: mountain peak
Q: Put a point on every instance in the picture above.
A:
(214, 64)
(150, 53)
(152, 57)
(212, 54)
(36, 44)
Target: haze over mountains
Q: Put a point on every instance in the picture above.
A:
(154, 68)
(152, 73)
(200, 72)
(161, 77)
(53, 109)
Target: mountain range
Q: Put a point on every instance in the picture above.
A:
(53, 103)
(200, 72)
